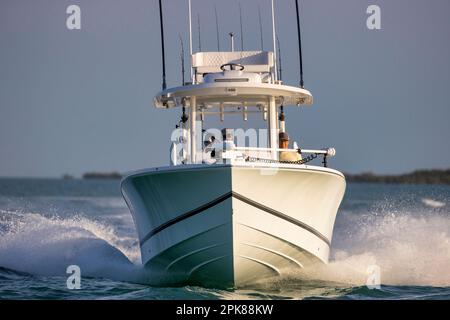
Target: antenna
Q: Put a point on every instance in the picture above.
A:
(182, 60)
(280, 71)
(242, 32)
(232, 41)
(274, 43)
(199, 34)
(299, 45)
(217, 28)
(164, 86)
(260, 28)
(190, 37)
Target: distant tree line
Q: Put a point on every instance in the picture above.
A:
(416, 177)
(102, 175)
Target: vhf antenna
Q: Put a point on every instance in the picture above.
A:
(164, 86)
(217, 28)
(260, 27)
(182, 61)
(231, 34)
(299, 45)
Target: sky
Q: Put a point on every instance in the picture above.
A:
(73, 101)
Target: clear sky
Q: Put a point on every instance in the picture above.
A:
(73, 101)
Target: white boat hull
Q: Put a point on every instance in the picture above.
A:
(230, 226)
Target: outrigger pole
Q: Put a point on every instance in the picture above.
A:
(199, 34)
(299, 44)
(217, 28)
(280, 70)
(190, 37)
(260, 28)
(274, 43)
(242, 31)
(182, 61)
(164, 86)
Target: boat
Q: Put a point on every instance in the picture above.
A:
(225, 213)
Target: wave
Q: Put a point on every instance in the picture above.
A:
(39, 245)
(396, 244)
(433, 203)
(410, 247)
(9, 274)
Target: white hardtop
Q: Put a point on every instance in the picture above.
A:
(233, 78)
(225, 83)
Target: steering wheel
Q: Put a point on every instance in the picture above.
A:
(232, 66)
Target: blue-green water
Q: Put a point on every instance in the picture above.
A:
(47, 225)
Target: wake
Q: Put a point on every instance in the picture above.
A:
(38, 245)
(409, 247)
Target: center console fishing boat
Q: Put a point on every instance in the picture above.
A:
(225, 213)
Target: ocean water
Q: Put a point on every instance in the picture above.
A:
(46, 225)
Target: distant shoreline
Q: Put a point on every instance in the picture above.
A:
(102, 175)
(434, 176)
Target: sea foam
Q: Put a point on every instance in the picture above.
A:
(32, 243)
(410, 248)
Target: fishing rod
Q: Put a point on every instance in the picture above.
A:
(164, 85)
(299, 45)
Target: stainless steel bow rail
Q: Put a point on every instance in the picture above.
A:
(303, 161)
(328, 152)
